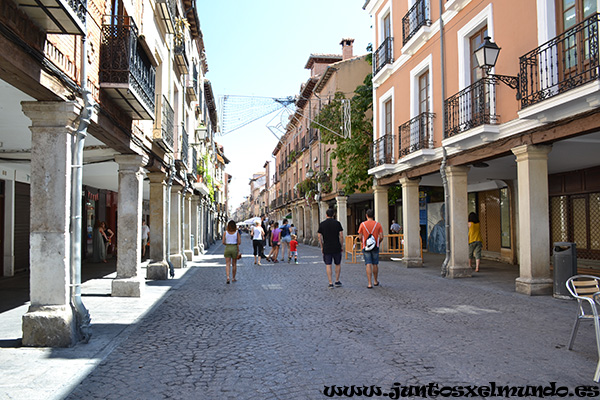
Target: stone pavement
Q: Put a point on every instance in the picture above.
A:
(280, 333)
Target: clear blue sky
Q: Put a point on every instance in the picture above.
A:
(259, 48)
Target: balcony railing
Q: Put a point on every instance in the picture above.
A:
(184, 146)
(416, 17)
(417, 134)
(194, 161)
(181, 59)
(471, 107)
(383, 55)
(126, 73)
(561, 64)
(382, 151)
(191, 84)
(313, 135)
(163, 133)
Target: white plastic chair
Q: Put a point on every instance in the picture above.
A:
(586, 289)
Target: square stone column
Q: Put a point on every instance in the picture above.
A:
(129, 281)
(410, 219)
(196, 225)
(342, 212)
(380, 199)
(534, 225)
(308, 229)
(158, 267)
(314, 216)
(458, 266)
(50, 319)
(187, 227)
(175, 252)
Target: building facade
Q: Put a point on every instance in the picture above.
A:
(512, 140)
(104, 108)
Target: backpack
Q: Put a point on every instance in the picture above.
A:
(370, 243)
(285, 231)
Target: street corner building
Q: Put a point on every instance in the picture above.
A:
(107, 115)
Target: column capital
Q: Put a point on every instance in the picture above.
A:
(157, 177)
(131, 161)
(341, 199)
(457, 170)
(51, 113)
(531, 152)
(379, 188)
(406, 181)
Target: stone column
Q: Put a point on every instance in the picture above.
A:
(308, 232)
(129, 281)
(314, 217)
(158, 267)
(196, 225)
(380, 198)
(342, 212)
(458, 266)
(50, 319)
(175, 253)
(534, 225)
(187, 227)
(410, 219)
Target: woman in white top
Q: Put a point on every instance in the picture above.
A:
(258, 234)
(232, 240)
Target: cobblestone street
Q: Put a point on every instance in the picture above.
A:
(280, 333)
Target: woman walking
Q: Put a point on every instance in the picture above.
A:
(232, 240)
(258, 235)
(475, 241)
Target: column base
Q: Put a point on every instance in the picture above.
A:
(189, 254)
(314, 242)
(158, 271)
(197, 251)
(176, 260)
(127, 287)
(534, 286)
(413, 262)
(459, 272)
(49, 326)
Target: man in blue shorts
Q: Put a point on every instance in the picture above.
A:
(331, 240)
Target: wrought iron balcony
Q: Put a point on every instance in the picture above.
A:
(57, 16)
(194, 161)
(383, 55)
(166, 13)
(566, 62)
(416, 134)
(471, 107)
(415, 18)
(382, 151)
(126, 73)
(181, 59)
(191, 85)
(184, 148)
(164, 126)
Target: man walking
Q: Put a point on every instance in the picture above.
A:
(331, 240)
(368, 228)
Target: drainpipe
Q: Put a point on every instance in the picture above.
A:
(82, 315)
(444, 155)
(168, 235)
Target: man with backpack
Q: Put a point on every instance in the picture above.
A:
(371, 233)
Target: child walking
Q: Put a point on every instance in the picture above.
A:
(293, 249)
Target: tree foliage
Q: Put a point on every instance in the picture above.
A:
(352, 153)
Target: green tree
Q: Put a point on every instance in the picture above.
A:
(351, 153)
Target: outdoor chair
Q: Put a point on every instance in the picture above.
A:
(586, 289)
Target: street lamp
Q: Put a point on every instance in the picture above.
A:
(487, 55)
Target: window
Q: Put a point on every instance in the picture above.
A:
(387, 117)
(387, 27)
(575, 49)
(424, 93)
(476, 40)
